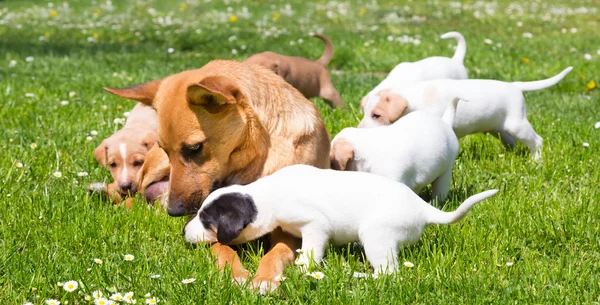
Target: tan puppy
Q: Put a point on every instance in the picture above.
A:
(231, 123)
(309, 77)
(123, 153)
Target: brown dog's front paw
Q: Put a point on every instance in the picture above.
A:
(241, 277)
(264, 285)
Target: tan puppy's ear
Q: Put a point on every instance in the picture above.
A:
(396, 105)
(213, 93)
(363, 102)
(143, 93)
(150, 139)
(100, 153)
(342, 153)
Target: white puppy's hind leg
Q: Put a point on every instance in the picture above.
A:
(441, 186)
(381, 249)
(523, 132)
(313, 248)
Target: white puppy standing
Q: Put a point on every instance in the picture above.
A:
(435, 67)
(494, 106)
(322, 205)
(418, 150)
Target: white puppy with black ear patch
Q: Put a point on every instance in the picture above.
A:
(418, 150)
(494, 106)
(435, 67)
(321, 205)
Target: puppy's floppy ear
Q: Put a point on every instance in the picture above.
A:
(363, 103)
(342, 154)
(395, 104)
(143, 93)
(100, 153)
(230, 213)
(213, 93)
(149, 139)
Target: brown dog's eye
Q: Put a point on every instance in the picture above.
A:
(112, 164)
(192, 150)
(138, 163)
(375, 116)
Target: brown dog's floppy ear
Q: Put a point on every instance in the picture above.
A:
(395, 104)
(100, 153)
(143, 93)
(342, 153)
(213, 93)
(230, 213)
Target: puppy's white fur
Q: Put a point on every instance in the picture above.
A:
(418, 150)
(494, 106)
(436, 67)
(321, 205)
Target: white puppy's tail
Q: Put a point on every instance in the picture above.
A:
(461, 48)
(541, 84)
(450, 112)
(440, 217)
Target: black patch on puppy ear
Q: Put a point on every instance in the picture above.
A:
(229, 214)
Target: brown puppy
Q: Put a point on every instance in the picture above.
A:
(123, 152)
(231, 123)
(309, 77)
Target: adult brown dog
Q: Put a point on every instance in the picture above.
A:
(309, 77)
(231, 123)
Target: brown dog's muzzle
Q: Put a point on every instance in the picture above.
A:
(180, 206)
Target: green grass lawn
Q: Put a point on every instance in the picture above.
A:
(536, 241)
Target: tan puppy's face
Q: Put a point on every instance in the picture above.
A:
(123, 154)
(201, 127)
(382, 109)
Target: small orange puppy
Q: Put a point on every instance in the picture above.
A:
(123, 153)
(309, 77)
(228, 123)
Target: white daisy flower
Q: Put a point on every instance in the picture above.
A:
(72, 94)
(104, 107)
(527, 35)
(360, 275)
(101, 301)
(88, 139)
(155, 276)
(587, 56)
(29, 59)
(519, 24)
(152, 301)
(318, 275)
(243, 47)
(94, 133)
(128, 257)
(12, 63)
(147, 295)
(508, 264)
(127, 114)
(234, 51)
(87, 298)
(128, 296)
(33, 145)
(57, 174)
(70, 286)
(30, 95)
(28, 303)
(573, 30)
(64, 103)
(586, 144)
(488, 41)
(116, 297)
(84, 174)
(188, 281)
(97, 294)
(597, 125)
(18, 165)
(59, 284)
(280, 278)
(408, 264)
(52, 302)
(170, 50)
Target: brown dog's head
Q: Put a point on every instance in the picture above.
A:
(123, 154)
(271, 61)
(382, 109)
(203, 127)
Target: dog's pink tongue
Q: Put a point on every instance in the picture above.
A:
(156, 190)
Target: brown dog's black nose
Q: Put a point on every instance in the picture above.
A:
(176, 210)
(126, 186)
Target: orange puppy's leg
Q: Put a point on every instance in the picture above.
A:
(273, 263)
(226, 256)
(329, 93)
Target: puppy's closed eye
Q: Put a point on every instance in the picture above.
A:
(375, 116)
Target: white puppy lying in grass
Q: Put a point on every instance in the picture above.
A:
(494, 106)
(435, 67)
(418, 150)
(321, 205)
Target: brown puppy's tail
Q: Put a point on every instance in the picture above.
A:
(328, 53)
